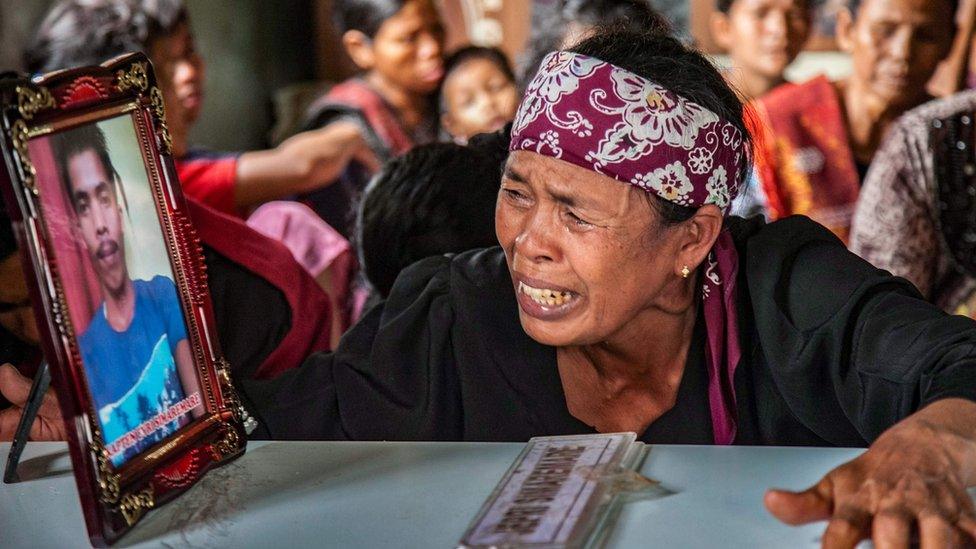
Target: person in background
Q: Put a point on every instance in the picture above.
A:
(915, 217)
(563, 22)
(478, 94)
(281, 313)
(820, 136)
(398, 47)
(761, 37)
(435, 199)
(87, 32)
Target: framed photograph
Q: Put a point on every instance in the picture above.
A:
(119, 287)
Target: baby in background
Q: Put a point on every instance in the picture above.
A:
(478, 93)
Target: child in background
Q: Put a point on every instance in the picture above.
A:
(398, 46)
(761, 37)
(436, 199)
(478, 94)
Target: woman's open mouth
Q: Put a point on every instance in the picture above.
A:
(546, 303)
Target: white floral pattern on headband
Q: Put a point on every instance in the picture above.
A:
(614, 122)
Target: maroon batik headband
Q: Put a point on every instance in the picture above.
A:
(609, 120)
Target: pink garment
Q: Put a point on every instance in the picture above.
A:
(611, 121)
(316, 246)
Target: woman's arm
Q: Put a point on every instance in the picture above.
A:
(859, 355)
(305, 162)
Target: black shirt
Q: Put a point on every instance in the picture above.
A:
(834, 352)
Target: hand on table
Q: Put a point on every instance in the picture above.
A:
(914, 474)
(16, 388)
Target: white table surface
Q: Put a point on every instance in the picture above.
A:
(375, 494)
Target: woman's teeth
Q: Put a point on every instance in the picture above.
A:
(545, 296)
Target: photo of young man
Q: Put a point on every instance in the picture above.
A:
(135, 349)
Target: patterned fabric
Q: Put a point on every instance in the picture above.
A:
(897, 226)
(603, 118)
(804, 158)
(606, 119)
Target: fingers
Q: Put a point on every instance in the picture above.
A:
(368, 159)
(47, 429)
(847, 527)
(892, 529)
(810, 505)
(967, 525)
(935, 532)
(9, 419)
(14, 386)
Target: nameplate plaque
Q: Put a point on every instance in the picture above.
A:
(552, 494)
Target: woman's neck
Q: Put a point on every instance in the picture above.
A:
(628, 381)
(752, 85)
(867, 117)
(411, 108)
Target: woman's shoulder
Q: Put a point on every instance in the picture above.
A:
(481, 270)
(798, 268)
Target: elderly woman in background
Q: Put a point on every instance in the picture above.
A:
(915, 217)
(821, 135)
(623, 299)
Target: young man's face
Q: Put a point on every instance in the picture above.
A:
(98, 218)
(896, 46)
(764, 36)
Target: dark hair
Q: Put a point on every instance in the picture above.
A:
(74, 142)
(8, 244)
(550, 23)
(435, 199)
(725, 5)
(471, 53)
(87, 32)
(365, 16)
(854, 5)
(663, 59)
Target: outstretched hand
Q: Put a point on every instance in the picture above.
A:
(16, 388)
(912, 479)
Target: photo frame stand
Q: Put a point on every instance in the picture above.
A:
(42, 380)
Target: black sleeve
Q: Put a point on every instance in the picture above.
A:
(852, 349)
(392, 377)
(252, 316)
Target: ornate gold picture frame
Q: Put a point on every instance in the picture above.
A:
(119, 287)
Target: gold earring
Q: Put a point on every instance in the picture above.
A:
(685, 271)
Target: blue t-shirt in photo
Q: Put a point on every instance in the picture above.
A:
(132, 374)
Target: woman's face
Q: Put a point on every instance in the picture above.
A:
(479, 98)
(896, 46)
(764, 36)
(586, 253)
(408, 48)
